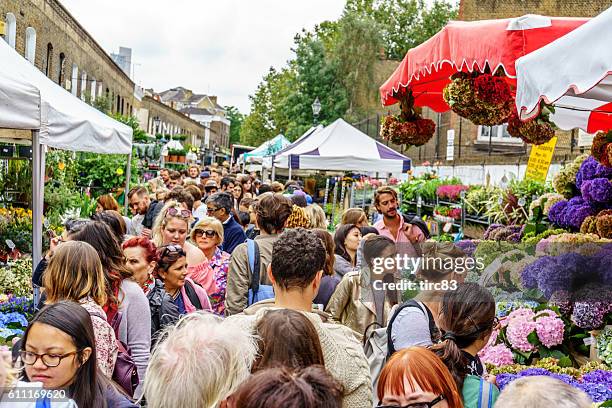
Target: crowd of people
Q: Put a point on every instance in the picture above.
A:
(223, 291)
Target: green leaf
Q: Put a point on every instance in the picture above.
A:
(608, 403)
(565, 361)
(533, 338)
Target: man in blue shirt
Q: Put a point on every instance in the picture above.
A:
(220, 205)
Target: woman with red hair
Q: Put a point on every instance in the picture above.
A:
(417, 378)
(141, 259)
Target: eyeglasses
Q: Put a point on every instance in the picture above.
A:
(209, 233)
(50, 360)
(177, 212)
(417, 404)
(212, 210)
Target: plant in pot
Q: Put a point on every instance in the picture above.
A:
(173, 155)
(181, 155)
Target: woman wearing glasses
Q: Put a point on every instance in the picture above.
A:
(59, 350)
(237, 193)
(171, 268)
(212, 273)
(467, 319)
(416, 378)
(171, 227)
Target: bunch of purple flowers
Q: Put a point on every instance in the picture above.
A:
(592, 169)
(597, 384)
(570, 214)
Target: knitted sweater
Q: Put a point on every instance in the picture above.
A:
(342, 353)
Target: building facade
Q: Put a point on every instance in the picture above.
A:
(47, 35)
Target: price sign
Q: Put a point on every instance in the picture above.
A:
(539, 160)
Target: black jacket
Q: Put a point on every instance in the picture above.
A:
(154, 209)
(163, 310)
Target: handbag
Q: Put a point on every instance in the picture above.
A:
(125, 373)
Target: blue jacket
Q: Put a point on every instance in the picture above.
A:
(233, 235)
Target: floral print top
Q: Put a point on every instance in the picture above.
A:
(212, 276)
(106, 342)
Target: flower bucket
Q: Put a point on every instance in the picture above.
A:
(173, 158)
(181, 159)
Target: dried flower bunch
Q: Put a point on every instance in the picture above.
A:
(483, 98)
(538, 130)
(408, 127)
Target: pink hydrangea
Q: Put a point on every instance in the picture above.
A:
(517, 331)
(522, 314)
(550, 330)
(499, 355)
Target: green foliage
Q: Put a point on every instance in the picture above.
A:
(102, 103)
(404, 24)
(236, 118)
(106, 171)
(17, 278)
(425, 186)
(139, 135)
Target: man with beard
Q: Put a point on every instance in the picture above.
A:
(141, 204)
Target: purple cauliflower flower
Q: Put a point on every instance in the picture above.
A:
(556, 213)
(575, 215)
(529, 275)
(597, 392)
(528, 372)
(598, 190)
(598, 376)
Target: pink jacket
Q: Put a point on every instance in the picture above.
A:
(202, 296)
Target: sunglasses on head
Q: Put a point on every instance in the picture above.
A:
(170, 249)
(209, 233)
(177, 212)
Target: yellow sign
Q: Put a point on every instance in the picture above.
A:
(539, 160)
(2, 25)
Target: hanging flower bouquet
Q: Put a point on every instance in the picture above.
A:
(408, 127)
(537, 131)
(602, 148)
(482, 98)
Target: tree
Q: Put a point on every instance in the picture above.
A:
(236, 118)
(404, 24)
(359, 45)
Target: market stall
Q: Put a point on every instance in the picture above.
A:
(262, 155)
(575, 78)
(30, 101)
(341, 147)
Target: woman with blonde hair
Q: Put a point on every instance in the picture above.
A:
(172, 227)
(416, 376)
(75, 273)
(317, 216)
(211, 274)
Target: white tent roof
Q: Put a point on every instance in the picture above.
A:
(574, 72)
(30, 100)
(342, 147)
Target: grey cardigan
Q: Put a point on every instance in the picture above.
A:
(135, 326)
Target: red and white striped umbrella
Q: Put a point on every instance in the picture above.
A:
(574, 73)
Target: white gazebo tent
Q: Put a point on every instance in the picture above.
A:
(574, 73)
(30, 101)
(341, 147)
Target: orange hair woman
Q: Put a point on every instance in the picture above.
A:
(416, 377)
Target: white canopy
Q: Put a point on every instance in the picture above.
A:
(341, 147)
(575, 73)
(30, 100)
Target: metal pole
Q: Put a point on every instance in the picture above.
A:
(364, 193)
(352, 199)
(342, 190)
(38, 196)
(128, 175)
(326, 194)
(273, 168)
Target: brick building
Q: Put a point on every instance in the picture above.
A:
(46, 34)
(156, 117)
(493, 145)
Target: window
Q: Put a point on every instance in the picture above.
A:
(497, 134)
(73, 79)
(30, 44)
(83, 85)
(49, 62)
(62, 63)
(11, 29)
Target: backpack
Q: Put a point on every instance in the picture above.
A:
(478, 392)
(192, 295)
(378, 346)
(257, 292)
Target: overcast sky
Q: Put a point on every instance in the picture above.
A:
(222, 48)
